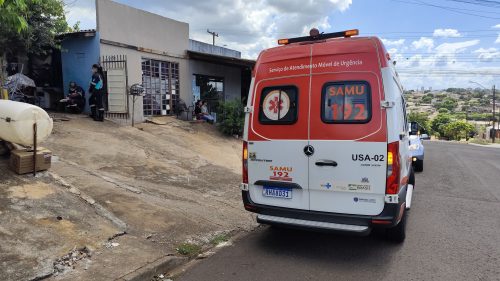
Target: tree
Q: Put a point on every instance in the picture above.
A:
(443, 111)
(457, 130)
(437, 124)
(427, 99)
(485, 101)
(460, 116)
(12, 15)
(45, 19)
(448, 103)
(29, 27)
(12, 21)
(75, 27)
(420, 118)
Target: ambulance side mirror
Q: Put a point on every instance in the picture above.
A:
(402, 136)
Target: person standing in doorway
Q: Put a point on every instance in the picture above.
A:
(96, 91)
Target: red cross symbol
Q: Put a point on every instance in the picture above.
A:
(275, 105)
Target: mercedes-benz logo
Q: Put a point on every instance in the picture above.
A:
(308, 150)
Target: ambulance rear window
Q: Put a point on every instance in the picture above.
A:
(278, 105)
(346, 102)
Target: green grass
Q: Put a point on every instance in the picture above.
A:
(480, 141)
(188, 249)
(219, 239)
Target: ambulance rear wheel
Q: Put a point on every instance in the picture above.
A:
(397, 233)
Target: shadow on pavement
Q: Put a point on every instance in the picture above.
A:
(328, 248)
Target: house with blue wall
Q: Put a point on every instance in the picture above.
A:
(79, 51)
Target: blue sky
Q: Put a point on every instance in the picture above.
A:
(438, 47)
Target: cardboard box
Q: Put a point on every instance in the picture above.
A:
(21, 160)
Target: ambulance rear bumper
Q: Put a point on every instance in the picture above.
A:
(336, 222)
(273, 220)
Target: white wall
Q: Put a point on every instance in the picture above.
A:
(153, 33)
(134, 70)
(124, 24)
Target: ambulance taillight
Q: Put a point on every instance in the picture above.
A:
(393, 168)
(245, 162)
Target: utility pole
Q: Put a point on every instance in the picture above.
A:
(494, 116)
(214, 34)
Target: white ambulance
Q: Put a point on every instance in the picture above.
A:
(326, 143)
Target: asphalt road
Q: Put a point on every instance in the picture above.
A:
(453, 233)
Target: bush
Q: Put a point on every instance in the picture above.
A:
(231, 117)
(443, 111)
(427, 99)
(457, 130)
(480, 141)
(448, 103)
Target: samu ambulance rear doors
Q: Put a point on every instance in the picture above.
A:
(278, 130)
(347, 172)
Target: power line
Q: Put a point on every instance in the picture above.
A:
(484, 3)
(451, 9)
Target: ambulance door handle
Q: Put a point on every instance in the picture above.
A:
(326, 163)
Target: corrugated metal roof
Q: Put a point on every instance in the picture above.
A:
(79, 33)
(220, 59)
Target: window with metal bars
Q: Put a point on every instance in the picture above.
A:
(161, 84)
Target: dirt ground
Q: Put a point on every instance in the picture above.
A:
(162, 184)
(40, 221)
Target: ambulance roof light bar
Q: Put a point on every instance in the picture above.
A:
(314, 34)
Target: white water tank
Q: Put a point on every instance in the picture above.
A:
(17, 119)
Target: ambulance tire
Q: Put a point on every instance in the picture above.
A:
(411, 179)
(419, 165)
(397, 233)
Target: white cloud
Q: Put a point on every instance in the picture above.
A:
(487, 55)
(247, 26)
(458, 47)
(393, 43)
(423, 43)
(498, 39)
(448, 32)
(85, 14)
(392, 51)
(443, 66)
(250, 26)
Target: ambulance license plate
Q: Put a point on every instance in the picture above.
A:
(277, 192)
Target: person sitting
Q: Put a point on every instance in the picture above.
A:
(204, 113)
(75, 100)
(197, 110)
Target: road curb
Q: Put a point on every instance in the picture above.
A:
(150, 270)
(491, 145)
